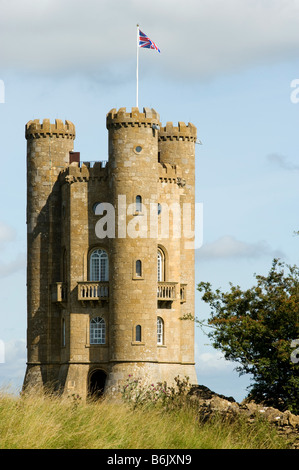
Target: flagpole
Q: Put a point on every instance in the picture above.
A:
(137, 66)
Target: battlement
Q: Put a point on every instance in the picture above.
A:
(168, 171)
(122, 118)
(171, 174)
(181, 132)
(74, 172)
(35, 129)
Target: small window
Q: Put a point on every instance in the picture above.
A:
(159, 208)
(97, 331)
(160, 331)
(138, 333)
(138, 203)
(138, 268)
(138, 148)
(161, 266)
(63, 333)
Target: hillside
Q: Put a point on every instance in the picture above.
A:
(39, 421)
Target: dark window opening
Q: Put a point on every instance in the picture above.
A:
(138, 203)
(97, 382)
(138, 333)
(138, 268)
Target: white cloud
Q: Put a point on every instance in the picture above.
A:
(7, 234)
(213, 362)
(11, 267)
(229, 247)
(199, 39)
(12, 371)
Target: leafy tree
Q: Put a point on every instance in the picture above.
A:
(256, 328)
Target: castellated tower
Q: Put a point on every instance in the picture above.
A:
(110, 255)
(48, 147)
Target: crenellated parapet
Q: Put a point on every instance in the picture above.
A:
(182, 132)
(76, 173)
(35, 129)
(134, 118)
(170, 173)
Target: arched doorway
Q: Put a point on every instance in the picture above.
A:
(97, 381)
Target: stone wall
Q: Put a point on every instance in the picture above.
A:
(211, 404)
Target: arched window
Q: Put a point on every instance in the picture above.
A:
(160, 331)
(99, 266)
(97, 331)
(161, 264)
(138, 204)
(138, 268)
(138, 333)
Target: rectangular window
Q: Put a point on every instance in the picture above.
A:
(138, 268)
(138, 333)
(97, 331)
(138, 204)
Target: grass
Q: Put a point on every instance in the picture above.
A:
(38, 421)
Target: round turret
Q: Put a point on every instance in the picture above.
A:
(133, 178)
(182, 132)
(48, 147)
(177, 147)
(35, 129)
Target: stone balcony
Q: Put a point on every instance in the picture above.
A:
(166, 291)
(91, 291)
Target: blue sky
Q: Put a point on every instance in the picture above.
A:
(225, 65)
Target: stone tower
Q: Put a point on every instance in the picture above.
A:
(110, 255)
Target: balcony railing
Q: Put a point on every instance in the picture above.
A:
(59, 292)
(91, 290)
(166, 291)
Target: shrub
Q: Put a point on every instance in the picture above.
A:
(137, 392)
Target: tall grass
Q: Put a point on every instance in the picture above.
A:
(38, 421)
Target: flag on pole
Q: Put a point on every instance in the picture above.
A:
(146, 42)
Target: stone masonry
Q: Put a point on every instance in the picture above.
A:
(110, 260)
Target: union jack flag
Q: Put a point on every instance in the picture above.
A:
(146, 42)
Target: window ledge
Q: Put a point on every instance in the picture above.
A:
(161, 346)
(137, 343)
